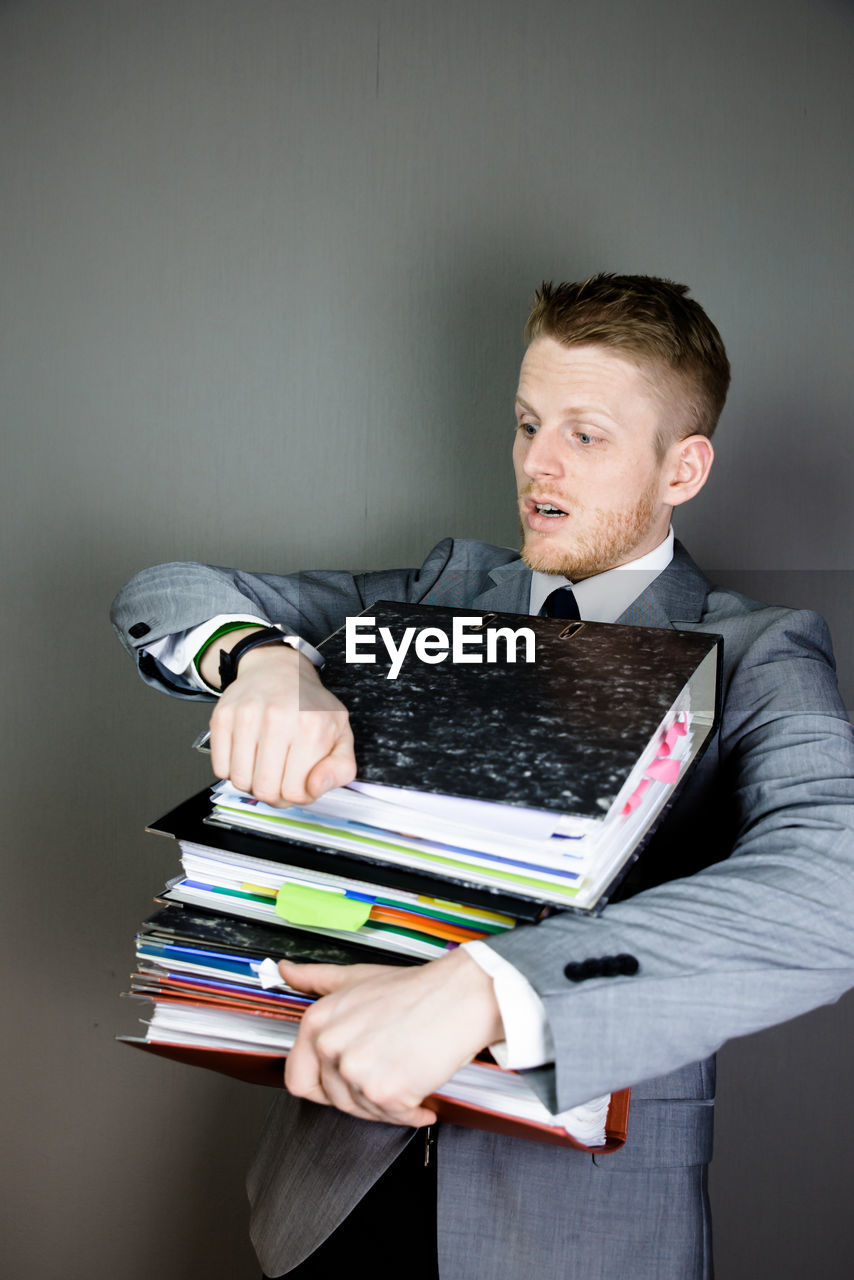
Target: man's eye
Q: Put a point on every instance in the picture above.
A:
(584, 437)
(527, 428)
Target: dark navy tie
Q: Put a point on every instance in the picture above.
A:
(561, 604)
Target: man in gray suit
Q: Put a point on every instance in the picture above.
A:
(738, 915)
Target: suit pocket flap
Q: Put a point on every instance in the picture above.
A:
(663, 1134)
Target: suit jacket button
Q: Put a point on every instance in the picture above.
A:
(627, 964)
(581, 970)
(138, 630)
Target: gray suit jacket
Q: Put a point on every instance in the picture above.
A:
(740, 913)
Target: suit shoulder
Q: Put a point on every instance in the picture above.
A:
(732, 612)
(457, 571)
(775, 655)
(467, 553)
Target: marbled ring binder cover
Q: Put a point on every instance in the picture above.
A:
(560, 733)
(541, 779)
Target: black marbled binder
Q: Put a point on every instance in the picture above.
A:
(561, 733)
(188, 926)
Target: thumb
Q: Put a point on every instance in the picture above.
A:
(334, 770)
(315, 979)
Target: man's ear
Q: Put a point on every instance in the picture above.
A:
(686, 468)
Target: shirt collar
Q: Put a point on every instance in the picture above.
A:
(606, 596)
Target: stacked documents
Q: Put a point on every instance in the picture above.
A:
(487, 797)
(384, 917)
(554, 858)
(219, 1001)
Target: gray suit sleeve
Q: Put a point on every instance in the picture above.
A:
(171, 598)
(750, 941)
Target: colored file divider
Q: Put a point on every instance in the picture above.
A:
(321, 908)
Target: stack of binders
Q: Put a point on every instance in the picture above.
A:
(489, 795)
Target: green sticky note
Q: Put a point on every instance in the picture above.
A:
(300, 904)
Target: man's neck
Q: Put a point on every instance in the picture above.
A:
(606, 596)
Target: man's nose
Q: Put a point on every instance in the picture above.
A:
(543, 456)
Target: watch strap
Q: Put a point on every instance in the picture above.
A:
(275, 634)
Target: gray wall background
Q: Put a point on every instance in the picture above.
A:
(265, 264)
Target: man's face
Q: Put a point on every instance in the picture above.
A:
(590, 482)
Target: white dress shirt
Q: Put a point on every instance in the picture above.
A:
(603, 598)
(176, 652)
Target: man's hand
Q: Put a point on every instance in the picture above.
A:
(277, 733)
(382, 1038)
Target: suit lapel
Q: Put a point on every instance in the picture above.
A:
(677, 595)
(510, 591)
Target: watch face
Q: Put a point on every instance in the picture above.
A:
(306, 649)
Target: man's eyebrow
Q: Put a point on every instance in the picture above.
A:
(577, 411)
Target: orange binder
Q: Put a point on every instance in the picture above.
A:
(257, 1067)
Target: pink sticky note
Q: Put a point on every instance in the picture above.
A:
(664, 771)
(675, 731)
(635, 798)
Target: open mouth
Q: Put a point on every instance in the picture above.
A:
(546, 509)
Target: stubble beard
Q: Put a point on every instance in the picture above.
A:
(607, 538)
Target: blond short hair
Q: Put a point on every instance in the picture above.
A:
(651, 321)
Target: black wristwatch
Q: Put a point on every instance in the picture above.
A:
(229, 660)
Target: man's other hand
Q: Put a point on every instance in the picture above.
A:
(277, 733)
(382, 1039)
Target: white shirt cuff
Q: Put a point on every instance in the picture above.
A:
(176, 652)
(527, 1036)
